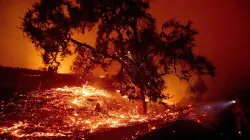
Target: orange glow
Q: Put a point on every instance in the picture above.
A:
(223, 25)
(175, 88)
(58, 112)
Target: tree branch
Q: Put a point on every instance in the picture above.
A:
(95, 51)
(175, 71)
(162, 74)
(150, 52)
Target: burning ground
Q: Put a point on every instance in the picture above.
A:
(70, 112)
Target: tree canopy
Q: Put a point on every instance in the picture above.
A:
(126, 36)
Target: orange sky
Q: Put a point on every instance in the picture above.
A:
(224, 36)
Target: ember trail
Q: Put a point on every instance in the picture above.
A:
(63, 111)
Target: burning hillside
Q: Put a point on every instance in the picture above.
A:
(70, 110)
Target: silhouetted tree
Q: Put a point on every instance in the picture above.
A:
(126, 36)
(198, 88)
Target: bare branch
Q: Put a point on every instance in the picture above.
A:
(94, 51)
(175, 70)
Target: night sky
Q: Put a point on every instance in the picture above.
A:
(224, 37)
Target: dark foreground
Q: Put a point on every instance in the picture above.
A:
(178, 130)
(189, 130)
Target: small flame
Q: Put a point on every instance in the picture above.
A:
(61, 111)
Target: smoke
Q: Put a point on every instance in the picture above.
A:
(224, 34)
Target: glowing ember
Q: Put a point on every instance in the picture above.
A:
(64, 111)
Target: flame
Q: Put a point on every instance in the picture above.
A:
(62, 111)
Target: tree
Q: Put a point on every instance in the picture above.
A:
(198, 88)
(126, 36)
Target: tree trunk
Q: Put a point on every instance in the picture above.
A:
(142, 105)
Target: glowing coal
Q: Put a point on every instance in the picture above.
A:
(65, 111)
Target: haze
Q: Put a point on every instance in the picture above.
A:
(224, 37)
